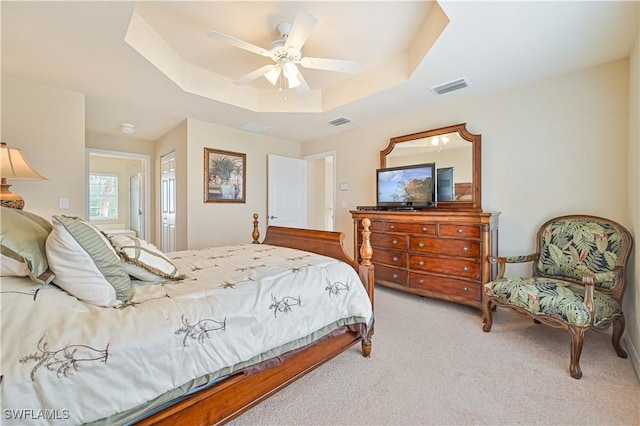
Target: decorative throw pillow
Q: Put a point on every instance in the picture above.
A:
(85, 263)
(143, 260)
(22, 237)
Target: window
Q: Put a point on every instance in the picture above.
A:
(103, 196)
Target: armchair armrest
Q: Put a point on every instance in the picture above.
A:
(589, 280)
(503, 260)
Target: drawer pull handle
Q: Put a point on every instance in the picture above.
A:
(424, 229)
(465, 269)
(465, 288)
(396, 258)
(460, 230)
(421, 263)
(421, 281)
(394, 242)
(395, 276)
(392, 227)
(465, 249)
(421, 244)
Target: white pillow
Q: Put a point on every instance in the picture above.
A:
(143, 260)
(85, 263)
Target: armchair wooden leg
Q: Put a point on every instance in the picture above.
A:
(618, 329)
(487, 317)
(576, 335)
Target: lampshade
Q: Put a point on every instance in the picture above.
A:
(290, 71)
(273, 74)
(14, 166)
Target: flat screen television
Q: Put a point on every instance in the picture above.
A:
(411, 186)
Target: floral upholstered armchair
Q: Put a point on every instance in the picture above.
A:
(577, 283)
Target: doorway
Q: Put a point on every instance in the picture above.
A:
(131, 191)
(321, 190)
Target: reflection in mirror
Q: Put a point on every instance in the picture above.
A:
(456, 153)
(453, 156)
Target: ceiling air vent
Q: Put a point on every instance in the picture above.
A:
(254, 127)
(457, 84)
(340, 121)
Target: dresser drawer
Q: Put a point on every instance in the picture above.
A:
(468, 289)
(411, 228)
(444, 265)
(387, 273)
(391, 241)
(462, 248)
(459, 231)
(390, 257)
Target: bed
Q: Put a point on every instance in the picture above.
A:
(197, 345)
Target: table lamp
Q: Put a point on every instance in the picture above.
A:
(14, 166)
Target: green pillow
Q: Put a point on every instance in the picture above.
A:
(23, 237)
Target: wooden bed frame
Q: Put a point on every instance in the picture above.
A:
(231, 397)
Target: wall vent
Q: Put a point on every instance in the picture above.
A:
(457, 84)
(255, 127)
(340, 121)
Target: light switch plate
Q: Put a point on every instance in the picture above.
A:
(64, 203)
(344, 187)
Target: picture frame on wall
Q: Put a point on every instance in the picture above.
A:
(224, 176)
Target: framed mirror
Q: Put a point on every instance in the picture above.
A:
(457, 154)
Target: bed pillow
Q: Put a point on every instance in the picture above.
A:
(85, 264)
(143, 260)
(22, 237)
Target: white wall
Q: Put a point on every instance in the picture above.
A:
(228, 223)
(48, 125)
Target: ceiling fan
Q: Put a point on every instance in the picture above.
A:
(286, 52)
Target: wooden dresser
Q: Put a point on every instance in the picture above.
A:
(435, 253)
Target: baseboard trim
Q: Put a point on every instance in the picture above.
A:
(633, 354)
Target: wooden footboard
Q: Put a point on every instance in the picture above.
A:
(233, 396)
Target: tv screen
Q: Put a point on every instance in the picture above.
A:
(411, 186)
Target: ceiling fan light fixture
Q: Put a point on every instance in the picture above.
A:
(273, 74)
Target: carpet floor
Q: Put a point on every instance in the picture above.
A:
(432, 364)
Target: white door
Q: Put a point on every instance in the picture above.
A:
(136, 204)
(168, 201)
(287, 204)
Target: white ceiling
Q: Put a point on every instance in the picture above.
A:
(79, 46)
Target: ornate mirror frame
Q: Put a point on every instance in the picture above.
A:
(475, 140)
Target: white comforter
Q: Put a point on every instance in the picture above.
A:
(68, 362)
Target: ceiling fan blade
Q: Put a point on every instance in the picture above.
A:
(338, 65)
(253, 75)
(239, 43)
(300, 30)
(304, 88)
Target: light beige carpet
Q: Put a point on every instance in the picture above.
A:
(431, 363)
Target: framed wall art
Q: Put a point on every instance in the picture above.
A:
(224, 176)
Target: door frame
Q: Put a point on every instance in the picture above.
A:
(146, 166)
(321, 155)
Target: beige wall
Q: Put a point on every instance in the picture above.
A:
(48, 125)
(542, 151)
(228, 223)
(631, 304)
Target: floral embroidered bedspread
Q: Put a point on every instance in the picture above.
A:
(68, 362)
